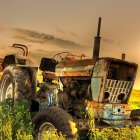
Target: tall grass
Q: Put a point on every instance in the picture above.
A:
(47, 135)
(15, 122)
(127, 133)
(135, 99)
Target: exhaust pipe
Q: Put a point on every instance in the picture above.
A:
(97, 41)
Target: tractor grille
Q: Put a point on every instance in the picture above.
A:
(116, 87)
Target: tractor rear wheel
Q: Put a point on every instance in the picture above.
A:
(15, 83)
(51, 119)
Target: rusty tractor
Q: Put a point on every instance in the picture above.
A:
(70, 88)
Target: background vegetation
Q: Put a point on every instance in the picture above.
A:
(16, 124)
(135, 99)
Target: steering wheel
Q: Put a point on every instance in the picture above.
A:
(69, 56)
(72, 56)
(60, 56)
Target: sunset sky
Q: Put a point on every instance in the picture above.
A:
(51, 26)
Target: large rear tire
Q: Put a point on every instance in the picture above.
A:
(15, 83)
(54, 118)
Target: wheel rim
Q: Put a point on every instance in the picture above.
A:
(9, 91)
(6, 88)
(45, 127)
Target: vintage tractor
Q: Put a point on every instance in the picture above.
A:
(70, 88)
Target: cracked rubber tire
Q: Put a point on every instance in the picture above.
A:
(15, 81)
(58, 119)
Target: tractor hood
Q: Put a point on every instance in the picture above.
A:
(75, 68)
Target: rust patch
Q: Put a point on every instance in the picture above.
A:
(75, 73)
(76, 63)
(94, 105)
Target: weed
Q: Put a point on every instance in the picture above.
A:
(15, 122)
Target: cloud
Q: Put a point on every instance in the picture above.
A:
(112, 42)
(36, 37)
(40, 53)
(106, 40)
(66, 32)
(39, 44)
(26, 38)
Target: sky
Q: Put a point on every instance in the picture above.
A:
(51, 26)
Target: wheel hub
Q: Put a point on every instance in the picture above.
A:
(9, 91)
(45, 127)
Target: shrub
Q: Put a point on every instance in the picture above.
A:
(15, 122)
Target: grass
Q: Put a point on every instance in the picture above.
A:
(16, 124)
(47, 135)
(134, 101)
(128, 133)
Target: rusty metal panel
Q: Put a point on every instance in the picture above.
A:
(96, 88)
(119, 61)
(110, 113)
(114, 112)
(75, 71)
(98, 79)
(75, 63)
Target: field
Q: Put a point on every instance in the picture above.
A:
(135, 99)
(15, 124)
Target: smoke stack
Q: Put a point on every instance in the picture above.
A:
(123, 56)
(97, 41)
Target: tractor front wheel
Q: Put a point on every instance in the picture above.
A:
(53, 119)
